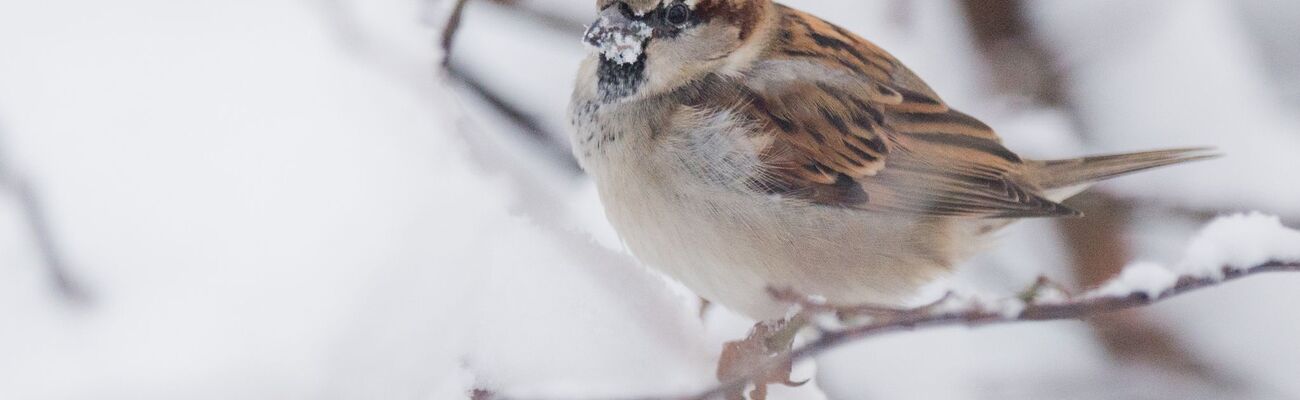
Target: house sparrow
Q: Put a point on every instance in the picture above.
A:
(742, 145)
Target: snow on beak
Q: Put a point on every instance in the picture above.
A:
(617, 37)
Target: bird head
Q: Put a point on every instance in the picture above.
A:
(648, 47)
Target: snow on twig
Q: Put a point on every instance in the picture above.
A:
(957, 310)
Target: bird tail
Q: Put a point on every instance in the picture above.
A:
(1062, 179)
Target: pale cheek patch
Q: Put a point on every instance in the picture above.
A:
(622, 45)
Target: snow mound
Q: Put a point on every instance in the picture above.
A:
(1149, 279)
(1239, 241)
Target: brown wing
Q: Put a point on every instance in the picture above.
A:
(858, 129)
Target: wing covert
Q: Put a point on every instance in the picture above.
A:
(852, 127)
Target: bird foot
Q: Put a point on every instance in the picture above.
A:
(760, 359)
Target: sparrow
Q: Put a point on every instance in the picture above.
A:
(743, 145)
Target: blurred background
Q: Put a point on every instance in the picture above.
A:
(294, 199)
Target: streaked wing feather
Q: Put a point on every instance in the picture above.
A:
(880, 140)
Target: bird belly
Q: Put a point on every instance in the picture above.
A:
(731, 247)
(678, 199)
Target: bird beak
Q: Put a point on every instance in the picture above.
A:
(618, 37)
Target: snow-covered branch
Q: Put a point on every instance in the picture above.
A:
(1139, 286)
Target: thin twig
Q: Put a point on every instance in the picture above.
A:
(902, 320)
(450, 28)
(554, 150)
(532, 128)
(33, 212)
(561, 24)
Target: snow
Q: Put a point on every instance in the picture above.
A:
(621, 44)
(254, 190)
(1050, 295)
(1010, 308)
(1148, 279)
(280, 200)
(1240, 241)
(966, 299)
(285, 210)
(1236, 242)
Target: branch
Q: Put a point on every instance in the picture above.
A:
(1031, 307)
(449, 29)
(560, 24)
(33, 212)
(531, 128)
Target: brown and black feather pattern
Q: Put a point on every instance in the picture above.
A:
(865, 132)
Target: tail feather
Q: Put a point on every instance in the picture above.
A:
(1068, 177)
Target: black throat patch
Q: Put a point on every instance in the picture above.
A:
(616, 81)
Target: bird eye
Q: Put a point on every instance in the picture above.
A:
(678, 14)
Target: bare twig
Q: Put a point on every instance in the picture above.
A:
(976, 315)
(450, 27)
(534, 130)
(561, 24)
(33, 212)
(528, 125)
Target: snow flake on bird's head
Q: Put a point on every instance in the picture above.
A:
(620, 44)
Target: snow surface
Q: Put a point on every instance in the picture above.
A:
(1238, 242)
(284, 211)
(1149, 279)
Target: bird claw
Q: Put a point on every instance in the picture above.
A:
(752, 359)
